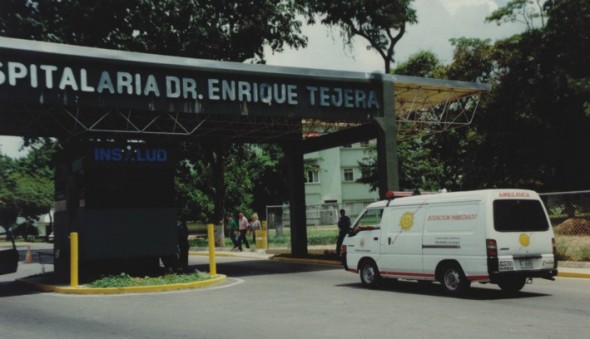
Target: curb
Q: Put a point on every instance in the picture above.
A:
(252, 255)
(122, 290)
(308, 261)
(573, 275)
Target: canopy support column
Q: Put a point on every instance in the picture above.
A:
(296, 184)
(387, 152)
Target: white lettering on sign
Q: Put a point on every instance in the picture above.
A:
(245, 91)
(342, 97)
(121, 82)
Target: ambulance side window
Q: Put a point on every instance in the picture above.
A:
(370, 220)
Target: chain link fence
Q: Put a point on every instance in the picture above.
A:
(569, 213)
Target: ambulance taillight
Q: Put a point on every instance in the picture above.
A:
(491, 248)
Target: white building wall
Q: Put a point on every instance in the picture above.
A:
(332, 187)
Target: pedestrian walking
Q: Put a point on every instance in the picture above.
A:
(243, 228)
(233, 231)
(255, 226)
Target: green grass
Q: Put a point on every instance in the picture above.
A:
(573, 248)
(125, 280)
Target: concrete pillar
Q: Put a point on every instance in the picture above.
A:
(296, 184)
(387, 152)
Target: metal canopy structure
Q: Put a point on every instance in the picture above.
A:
(426, 106)
(420, 104)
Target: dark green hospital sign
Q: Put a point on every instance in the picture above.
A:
(88, 77)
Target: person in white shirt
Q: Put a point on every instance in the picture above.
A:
(243, 228)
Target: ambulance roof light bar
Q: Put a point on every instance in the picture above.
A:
(390, 195)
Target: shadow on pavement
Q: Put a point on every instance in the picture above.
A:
(245, 268)
(435, 290)
(13, 289)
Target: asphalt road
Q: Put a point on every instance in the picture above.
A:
(272, 299)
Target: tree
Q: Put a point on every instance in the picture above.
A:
(26, 184)
(270, 186)
(536, 118)
(381, 22)
(422, 64)
(472, 60)
(233, 30)
(8, 208)
(196, 177)
(455, 149)
(253, 178)
(523, 11)
(566, 81)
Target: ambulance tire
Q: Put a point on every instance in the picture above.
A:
(369, 274)
(453, 280)
(512, 285)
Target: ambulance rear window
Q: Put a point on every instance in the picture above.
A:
(519, 216)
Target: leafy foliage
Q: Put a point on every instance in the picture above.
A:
(252, 175)
(26, 184)
(422, 64)
(232, 30)
(528, 130)
(523, 11)
(536, 118)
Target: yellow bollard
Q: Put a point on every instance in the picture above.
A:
(261, 237)
(74, 259)
(211, 236)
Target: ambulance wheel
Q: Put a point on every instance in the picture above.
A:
(453, 280)
(512, 285)
(369, 274)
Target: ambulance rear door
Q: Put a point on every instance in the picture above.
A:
(523, 233)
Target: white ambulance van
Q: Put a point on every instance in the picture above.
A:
(499, 236)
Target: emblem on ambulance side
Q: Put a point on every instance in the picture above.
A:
(524, 240)
(407, 221)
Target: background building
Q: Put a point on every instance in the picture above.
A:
(331, 183)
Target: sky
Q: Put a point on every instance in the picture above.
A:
(438, 21)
